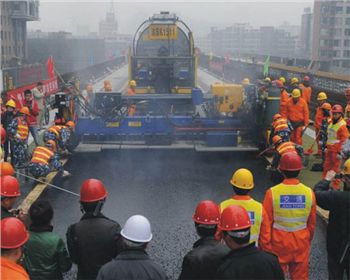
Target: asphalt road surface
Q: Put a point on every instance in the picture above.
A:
(165, 186)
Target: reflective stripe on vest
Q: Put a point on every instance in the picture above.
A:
(280, 124)
(22, 129)
(42, 155)
(291, 206)
(286, 147)
(332, 132)
(56, 129)
(254, 210)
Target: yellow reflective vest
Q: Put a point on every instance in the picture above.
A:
(42, 155)
(332, 132)
(254, 210)
(291, 206)
(22, 129)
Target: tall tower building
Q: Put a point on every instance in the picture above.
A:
(306, 34)
(108, 28)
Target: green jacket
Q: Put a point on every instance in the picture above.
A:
(45, 255)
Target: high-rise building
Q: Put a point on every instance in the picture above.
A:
(306, 32)
(331, 41)
(14, 17)
(108, 28)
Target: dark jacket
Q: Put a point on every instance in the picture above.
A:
(92, 242)
(338, 230)
(250, 263)
(5, 213)
(6, 118)
(131, 264)
(203, 260)
(46, 256)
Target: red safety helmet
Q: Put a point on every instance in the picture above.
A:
(9, 186)
(207, 213)
(276, 117)
(278, 83)
(92, 190)
(347, 91)
(290, 162)
(306, 78)
(13, 233)
(2, 135)
(234, 218)
(6, 169)
(337, 109)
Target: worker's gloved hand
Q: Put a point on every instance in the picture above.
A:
(330, 175)
(340, 156)
(18, 136)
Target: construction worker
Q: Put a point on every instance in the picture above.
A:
(347, 108)
(45, 160)
(242, 182)
(306, 90)
(9, 193)
(338, 229)
(245, 82)
(283, 80)
(13, 236)
(107, 86)
(60, 134)
(294, 84)
(6, 169)
(244, 261)
(298, 115)
(6, 118)
(322, 134)
(131, 88)
(282, 147)
(284, 97)
(280, 126)
(203, 260)
(18, 131)
(337, 134)
(133, 263)
(291, 208)
(131, 104)
(46, 254)
(321, 99)
(32, 121)
(92, 241)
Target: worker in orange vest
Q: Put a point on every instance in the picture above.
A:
(306, 90)
(321, 99)
(280, 126)
(131, 105)
(337, 134)
(18, 133)
(13, 236)
(347, 108)
(291, 207)
(298, 115)
(284, 97)
(242, 182)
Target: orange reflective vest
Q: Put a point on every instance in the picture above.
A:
(306, 93)
(56, 129)
(12, 271)
(22, 129)
(42, 155)
(298, 112)
(286, 147)
(280, 124)
(283, 103)
(337, 134)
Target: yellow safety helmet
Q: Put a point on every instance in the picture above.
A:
(243, 179)
(132, 83)
(11, 103)
(294, 80)
(296, 93)
(322, 96)
(282, 79)
(267, 79)
(346, 169)
(245, 82)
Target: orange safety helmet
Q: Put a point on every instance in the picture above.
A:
(25, 111)
(278, 83)
(52, 144)
(13, 233)
(2, 134)
(9, 186)
(276, 117)
(290, 162)
(6, 169)
(347, 91)
(92, 190)
(337, 109)
(276, 139)
(233, 218)
(306, 78)
(326, 106)
(70, 124)
(207, 213)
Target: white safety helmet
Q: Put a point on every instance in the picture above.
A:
(137, 229)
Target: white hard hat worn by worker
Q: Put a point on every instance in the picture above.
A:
(137, 229)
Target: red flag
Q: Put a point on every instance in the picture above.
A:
(50, 67)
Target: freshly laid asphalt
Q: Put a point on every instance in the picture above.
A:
(164, 186)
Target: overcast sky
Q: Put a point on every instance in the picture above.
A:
(199, 15)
